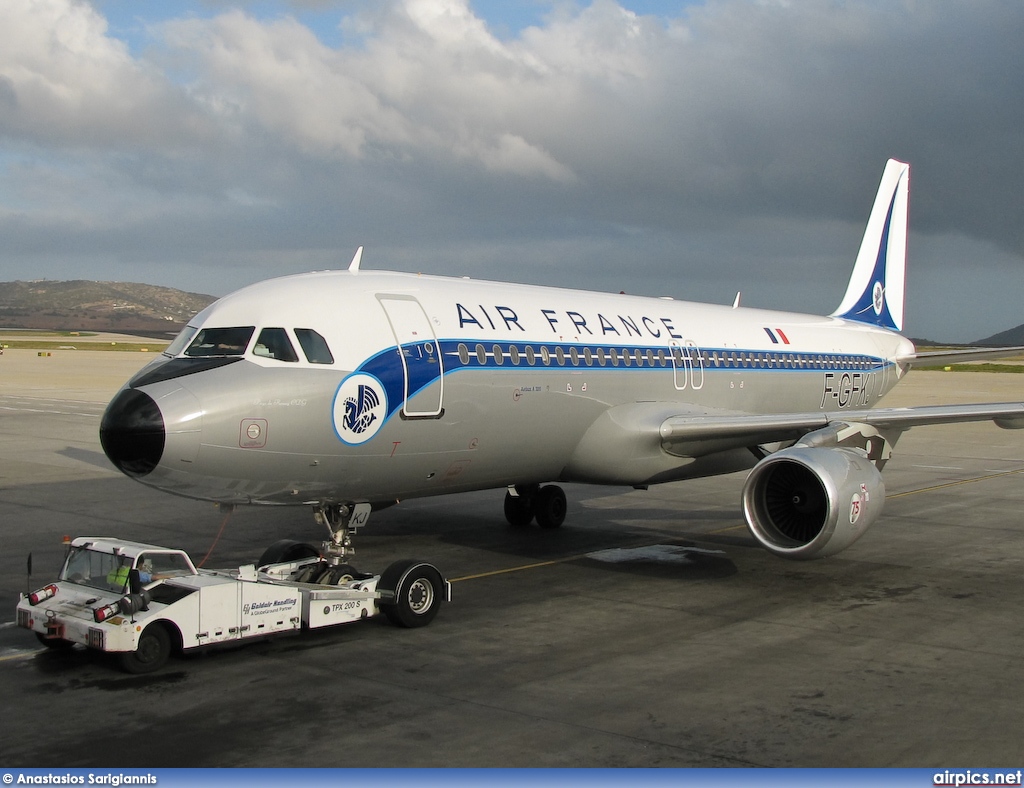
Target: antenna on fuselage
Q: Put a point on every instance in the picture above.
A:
(354, 265)
(736, 301)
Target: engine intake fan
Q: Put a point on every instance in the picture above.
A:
(811, 502)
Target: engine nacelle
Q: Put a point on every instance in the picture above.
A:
(805, 502)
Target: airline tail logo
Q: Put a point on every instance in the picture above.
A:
(360, 407)
(877, 287)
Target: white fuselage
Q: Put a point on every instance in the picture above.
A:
(442, 385)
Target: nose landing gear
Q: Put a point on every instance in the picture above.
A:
(342, 520)
(409, 592)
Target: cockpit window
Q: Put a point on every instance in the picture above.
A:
(220, 342)
(274, 343)
(314, 346)
(181, 341)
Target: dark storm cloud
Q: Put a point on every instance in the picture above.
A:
(737, 146)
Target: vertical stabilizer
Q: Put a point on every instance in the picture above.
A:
(875, 294)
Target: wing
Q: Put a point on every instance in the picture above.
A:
(686, 435)
(649, 442)
(792, 426)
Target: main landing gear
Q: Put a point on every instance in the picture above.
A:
(525, 502)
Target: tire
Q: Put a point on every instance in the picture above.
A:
(345, 573)
(549, 506)
(518, 511)
(152, 653)
(418, 592)
(285, 551)
(55, 644)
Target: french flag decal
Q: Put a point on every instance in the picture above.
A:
(775, 335)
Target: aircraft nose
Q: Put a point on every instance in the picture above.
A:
(132, 433)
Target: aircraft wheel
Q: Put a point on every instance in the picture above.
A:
(549, 506)
(518, 511)
(284, 551)
(418, 590)
(152, 653)
(342, 573)
(309, 573)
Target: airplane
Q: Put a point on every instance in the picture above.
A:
(350, 390)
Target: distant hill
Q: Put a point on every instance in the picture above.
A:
(122, 307)
(1015, 336)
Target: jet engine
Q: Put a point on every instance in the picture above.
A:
(811, 502)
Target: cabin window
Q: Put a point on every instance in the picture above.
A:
(274, 343)
(499, 357)
(574, 356)
(220, 342)
(481, 355)
(545, 356)
(560, 356)
(513, 353)
(588, 356)
(531, 355)
(314, 346)
(463, 353)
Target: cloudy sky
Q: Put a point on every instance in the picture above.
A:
(690, 149)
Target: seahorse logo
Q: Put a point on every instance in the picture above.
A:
(878, 298)
(359, 413)
(360, 408)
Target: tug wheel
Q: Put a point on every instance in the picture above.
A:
(152, 653)
(418, 590)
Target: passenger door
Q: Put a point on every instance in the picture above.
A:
(420, 353)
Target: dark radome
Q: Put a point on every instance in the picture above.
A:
(132, 433)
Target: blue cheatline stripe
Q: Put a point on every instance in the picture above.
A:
(460, 355)
(469, 355)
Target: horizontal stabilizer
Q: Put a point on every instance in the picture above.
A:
(938, 358)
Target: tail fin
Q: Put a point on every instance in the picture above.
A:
(876, 290)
